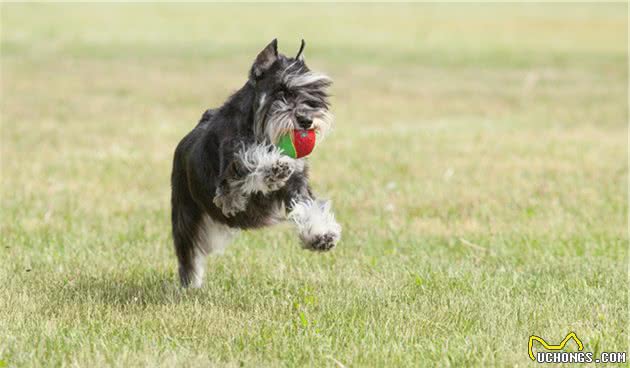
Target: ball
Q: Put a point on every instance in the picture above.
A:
(298, 143)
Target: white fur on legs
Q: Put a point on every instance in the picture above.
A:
(212, 237)
(316, 224)
(268, 169)
(198, 268)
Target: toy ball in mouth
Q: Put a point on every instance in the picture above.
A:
(298, 143)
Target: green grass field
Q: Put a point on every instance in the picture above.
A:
(478, 166)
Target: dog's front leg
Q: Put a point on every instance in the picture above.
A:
(257, 168)
(317, 228)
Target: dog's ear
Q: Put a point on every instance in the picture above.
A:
(265, 59)
(300, 54)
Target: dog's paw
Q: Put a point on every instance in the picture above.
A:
(316, 224)
(231, 204)
(321, 242)
(278, 173)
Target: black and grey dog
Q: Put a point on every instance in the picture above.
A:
(229, 175)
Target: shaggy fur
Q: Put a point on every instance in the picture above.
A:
(229, 175)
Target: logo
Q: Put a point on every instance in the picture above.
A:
(556, 355)
(560, 346)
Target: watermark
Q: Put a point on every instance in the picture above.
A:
(556, 355)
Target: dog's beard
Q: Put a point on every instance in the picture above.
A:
(280, 122)
(275, 122)
(322, 124)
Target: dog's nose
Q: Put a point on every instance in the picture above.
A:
(304, 122)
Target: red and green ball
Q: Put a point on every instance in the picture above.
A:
(298, 143)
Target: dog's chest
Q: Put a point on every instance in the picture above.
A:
(261, 211)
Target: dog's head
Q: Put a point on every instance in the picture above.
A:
(288, 95)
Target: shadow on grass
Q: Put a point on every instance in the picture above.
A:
(138, 288)
(129, 289)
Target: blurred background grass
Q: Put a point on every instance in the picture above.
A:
(503, 126)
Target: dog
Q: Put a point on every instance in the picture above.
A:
(228, 174)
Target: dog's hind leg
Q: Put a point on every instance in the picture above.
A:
(195, 238)
(186, 223)
(196, 235)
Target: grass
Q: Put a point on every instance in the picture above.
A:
(479, 169)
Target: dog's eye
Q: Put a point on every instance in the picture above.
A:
(312, 105)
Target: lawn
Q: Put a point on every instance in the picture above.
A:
(479, 168)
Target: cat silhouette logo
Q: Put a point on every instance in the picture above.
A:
(547, 346)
